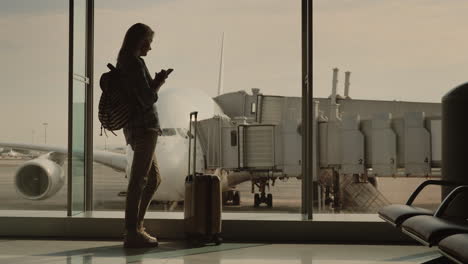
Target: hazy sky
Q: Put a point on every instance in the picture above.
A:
(402, 50)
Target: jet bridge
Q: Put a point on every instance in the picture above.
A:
(235, 145)
(362, 150)
(356, 142)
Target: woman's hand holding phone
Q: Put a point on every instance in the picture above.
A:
(160, 78)
(163, 74)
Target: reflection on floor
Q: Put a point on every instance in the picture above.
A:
(14, 251)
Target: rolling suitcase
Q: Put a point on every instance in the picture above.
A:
(202, 205)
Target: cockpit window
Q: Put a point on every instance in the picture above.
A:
(168, 132)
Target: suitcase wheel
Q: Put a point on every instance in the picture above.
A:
(203, 240)
(217, 239)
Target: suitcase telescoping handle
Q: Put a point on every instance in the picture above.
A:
(194, 115)
(191, 178)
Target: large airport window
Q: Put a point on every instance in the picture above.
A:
(219, 51)
(378, 130)
(33, 105)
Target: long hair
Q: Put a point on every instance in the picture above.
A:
(134, 35)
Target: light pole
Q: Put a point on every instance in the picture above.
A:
(32, 137)
(45, 132)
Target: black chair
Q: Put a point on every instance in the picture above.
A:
(396, 214)
(455, 248)
(429, 230)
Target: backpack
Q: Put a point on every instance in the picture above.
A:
(114, 105)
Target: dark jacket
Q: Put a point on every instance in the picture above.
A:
(137, 81)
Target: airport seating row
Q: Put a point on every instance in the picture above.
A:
(442, 228)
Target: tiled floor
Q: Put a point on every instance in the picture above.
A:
(16, 251)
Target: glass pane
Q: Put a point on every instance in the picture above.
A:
(79, 106)
(79, 37)
(33, 106)
(78, 168)
(260, 61)
(379, 128)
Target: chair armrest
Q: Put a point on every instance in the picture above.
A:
(426, 183)
(449, 199)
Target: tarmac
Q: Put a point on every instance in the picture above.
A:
(108, 183)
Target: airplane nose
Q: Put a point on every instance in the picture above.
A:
(171, 155)
(169, 159)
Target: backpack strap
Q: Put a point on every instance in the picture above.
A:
(102, 128)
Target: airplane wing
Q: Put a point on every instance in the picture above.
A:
(114, 160)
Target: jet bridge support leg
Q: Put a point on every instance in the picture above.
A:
(262, 197)
(337, 190)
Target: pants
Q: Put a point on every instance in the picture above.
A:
(144, 178)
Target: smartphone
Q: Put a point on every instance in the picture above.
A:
(168, 71)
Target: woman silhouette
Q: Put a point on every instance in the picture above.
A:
(141, 132)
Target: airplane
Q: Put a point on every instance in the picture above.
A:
(42, 177)
(15, 153)
(9, 153)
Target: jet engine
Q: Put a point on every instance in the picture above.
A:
(40, 178)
